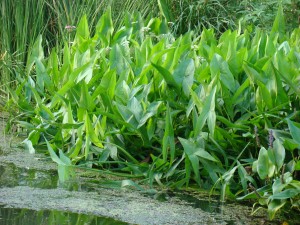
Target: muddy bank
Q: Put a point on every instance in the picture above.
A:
(30, 182)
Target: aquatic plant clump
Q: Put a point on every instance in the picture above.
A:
(140, 103)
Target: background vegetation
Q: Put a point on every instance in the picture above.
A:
(22, 21)
(126, 93)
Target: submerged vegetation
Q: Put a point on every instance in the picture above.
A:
(218, 109)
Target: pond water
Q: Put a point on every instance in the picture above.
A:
(15, 216)
(33, 196)
(30, 194)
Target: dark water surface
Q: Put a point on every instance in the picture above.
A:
(12, 176)
(15, 216)
(30, 194)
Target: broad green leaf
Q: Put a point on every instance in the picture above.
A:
(86, 102)
(167, 76)
(113, 150)
(266, 95)
(274, 206)
(253, 73)
(82, 31)
(287, 72)
(68, 115)
(75, 150)
(245, 178)
(212, 169)
(66, 160)
(239, 91)
(227, 176)
(253, 195)
(122, 35)
(34, 136)
(189, 150)
(90, 133)
(117, 60)
(278, 153)
(127, 115)
(135, 108)
(68, 85)
(42, 77)
(204, 154)
(295, 130)
(208, 106)
(282, 182)
(107, 85)
(152, 110)
(36, 52)
(211, 120)
(165, 10)
(45, 112)
(219, 67)
(184, 75)
(104, 27)
(263, 163)
(53, 155)
(279, 23)
(86, 74)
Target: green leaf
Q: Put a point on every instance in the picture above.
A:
(53, 67)
(90, 133)
(278, 153)
(189, 150)
(205, 155)
(42, 77)
(165, 10)
(107, 86)
(152, 110)
(279, 23)
(53, 155)
(184, 75)
(104, 27)
(274, 206)
(36, 52)
(168, 143)
(64, 158)
(167, 76)
(82, 31)
(86, 102)
(263, 163)
(77, 147)
(219, 67)
(295, 130)
(209, 106)
(117, 60)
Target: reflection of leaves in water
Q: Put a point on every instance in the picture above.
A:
(13, 176)
(26, 217)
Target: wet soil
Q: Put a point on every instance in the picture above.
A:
(29, 188)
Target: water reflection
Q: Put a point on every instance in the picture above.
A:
(11, 176)
(13, 216)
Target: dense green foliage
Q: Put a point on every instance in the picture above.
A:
(22, 21)
(139, 102)
(161, 99)
(223, 14)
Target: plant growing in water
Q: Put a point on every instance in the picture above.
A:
(139, 102)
